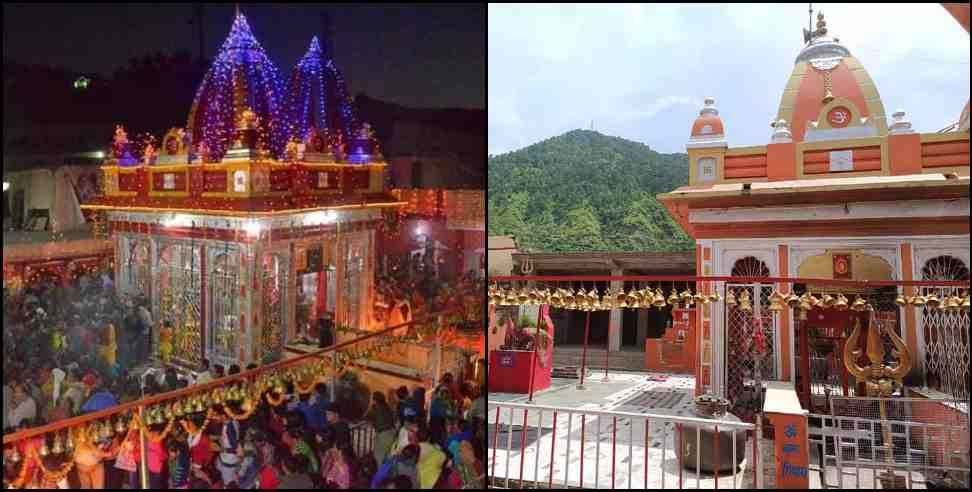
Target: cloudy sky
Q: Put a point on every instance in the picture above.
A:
(640, 72)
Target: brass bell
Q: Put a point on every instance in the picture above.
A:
(868, 307)
(900, 300)
(858, 304)
(58, 446)
(829, 96)
(43, 449)
(932, 300)
(919, 300)
(120, 426)
(814, 301)
(522, 297)
(965, 302)
(673, 298)
(557, 299)
(793, 300)
(491, 295)
(15, 455)
(745, 305)
(700, 298)
(659, 300)
(841, 303)
(686, 296)
(69, 442)
(730, 298)
(827, 300)
(775, 302)
(198, 406)
(805, 305)
(621, 299)
(511, 298)
(950, 304)
(714, 297)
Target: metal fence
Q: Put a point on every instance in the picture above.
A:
(890, 442)
(535, 446)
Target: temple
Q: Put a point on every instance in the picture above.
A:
(838, 192)
(256, 219)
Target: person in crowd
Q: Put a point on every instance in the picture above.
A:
(402, 396)
(170, 380)
(204, 376)
(381, 418)
(178, 465)
(156, 457)
(100, 399)
(230, 455)
(295, 475)
(128, 458)
(430, 461)
(313, 416)
(88, 459)
(442, 408)
(23, 406)
(219, 371)
(325, 331)
(297, 444)
(418, 403)
(335, 469)
(335, 420)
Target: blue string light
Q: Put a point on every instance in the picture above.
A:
(241, 62)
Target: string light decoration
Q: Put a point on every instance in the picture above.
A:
(316, 97)
(242, 76)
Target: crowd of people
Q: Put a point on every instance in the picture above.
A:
(71, 350)
(411, 289)
(303, 442)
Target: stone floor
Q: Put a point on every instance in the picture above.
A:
(622, 449)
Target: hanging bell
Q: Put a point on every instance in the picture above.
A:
(700, 298)
(858, 304)
(14, 456)
(522, 297)
(120, 426)
(659, 300)
(932, 300)
(827, 301)
(745, 304)
(805, 304)
(954, 303)
(776, 304)
(673, 298)
(829, 96)
(58, 446)
(919, 300)
(841, 303)
(793, 300)
(491, 294)
(69, 441)
(714, 297)
(511, 298)
(569, 296)
(814, 301)
(686, 296)
(620, 299)
(730, 298)
(557, 298)
(43, 449)
(900, 300)
(868, 308)
(965, 302)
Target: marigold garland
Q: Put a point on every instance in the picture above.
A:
(239, 416)
(53, 476)
(22, 475)
(271, 401)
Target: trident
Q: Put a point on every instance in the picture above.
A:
(879, 377)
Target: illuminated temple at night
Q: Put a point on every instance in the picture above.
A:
(259, 216)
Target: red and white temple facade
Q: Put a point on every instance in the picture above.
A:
(839, 191)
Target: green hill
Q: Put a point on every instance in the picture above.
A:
(584, 191)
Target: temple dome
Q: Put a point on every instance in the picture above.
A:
(708, 124)
(316, 97)
(829, 95)
(241, 78)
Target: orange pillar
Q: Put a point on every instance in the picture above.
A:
(785, 333)
(910, 323)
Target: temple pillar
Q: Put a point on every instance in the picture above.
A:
(614, 325)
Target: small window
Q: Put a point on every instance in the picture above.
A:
(706, 169)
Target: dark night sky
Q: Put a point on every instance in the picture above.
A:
(429, 55)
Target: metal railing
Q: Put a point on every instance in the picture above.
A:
(362, 433)
(862, 452)
(546, 460)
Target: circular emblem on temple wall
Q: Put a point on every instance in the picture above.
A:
(839, 117)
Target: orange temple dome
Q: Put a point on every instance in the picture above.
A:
(829, 95)
(708, 128)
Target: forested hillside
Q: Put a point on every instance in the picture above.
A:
(584, 191)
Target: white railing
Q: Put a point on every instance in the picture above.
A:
(557, 456)
(855, 452)
(362, 438)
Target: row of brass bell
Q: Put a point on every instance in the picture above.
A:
(592, 301)
(951, 303)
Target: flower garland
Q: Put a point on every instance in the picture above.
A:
(52, 476)
(271, 401)
(22, 475)
(191, 428)
(153, 436)
(239, 416)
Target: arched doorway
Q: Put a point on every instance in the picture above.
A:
(819, 334)
(745, 364)
(945, 333)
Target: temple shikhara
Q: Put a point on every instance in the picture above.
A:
(824, 335)
(271, 179)
(837, 193)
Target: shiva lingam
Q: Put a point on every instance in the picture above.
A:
(879, 378)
